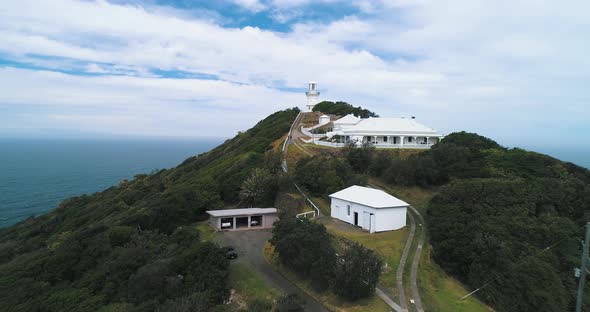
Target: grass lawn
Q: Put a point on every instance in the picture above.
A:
(389, 245)
(205, 231)
(331, 301)
(323, 205)
(249, 286)
(293, 155)
(440, 292)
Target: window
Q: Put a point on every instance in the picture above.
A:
(409, 139)
(348, 209)
(384, 139)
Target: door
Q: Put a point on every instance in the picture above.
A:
(356, 218)
(366, 220)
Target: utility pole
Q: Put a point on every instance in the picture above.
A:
(583, 270)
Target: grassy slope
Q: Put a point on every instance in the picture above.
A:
(249, 285)
(439, 291)
(32, 273)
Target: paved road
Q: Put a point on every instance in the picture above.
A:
(249, 245)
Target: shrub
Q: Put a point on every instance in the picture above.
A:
(357, 272)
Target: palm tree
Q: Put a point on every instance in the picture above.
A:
(254, 187)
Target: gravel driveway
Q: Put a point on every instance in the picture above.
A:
(249, 245)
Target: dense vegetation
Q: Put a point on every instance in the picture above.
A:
(305, 247)
(342, 109)
(133, 247)
(506, 219)
(326, 174)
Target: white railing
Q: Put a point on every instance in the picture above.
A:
(307, 198)
(379, 145)
(331, 144)
(306, 131)
(284, 166)
(309, 214)
(406, 145)
(290, 130)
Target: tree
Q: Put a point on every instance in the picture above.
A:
(323, 174)
(342, 108)
(259, 188)
(359, 157)
(357, 272)
(306, 248)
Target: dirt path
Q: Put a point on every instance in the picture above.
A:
(416, 262)
(249, 245)
(402, 264)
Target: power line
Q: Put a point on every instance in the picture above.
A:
(522, 261)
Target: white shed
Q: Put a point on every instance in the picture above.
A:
(324, 119)
(242, 218)
(369, 208)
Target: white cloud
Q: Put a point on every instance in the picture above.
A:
(251, 5)
(460, 64)
(141, 106)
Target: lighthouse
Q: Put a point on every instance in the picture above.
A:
(312, 95)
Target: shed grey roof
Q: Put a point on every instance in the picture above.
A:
(240, 212)
(369, 197)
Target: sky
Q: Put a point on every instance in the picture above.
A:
(515, 71)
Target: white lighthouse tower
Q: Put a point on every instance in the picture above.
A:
(313, 96)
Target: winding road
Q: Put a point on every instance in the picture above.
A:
(413, 216)
(415, 263)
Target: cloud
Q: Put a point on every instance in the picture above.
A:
(459, 64)
(138, 105)
(251, 5)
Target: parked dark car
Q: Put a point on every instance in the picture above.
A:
(230, 252)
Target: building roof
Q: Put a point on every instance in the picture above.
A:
(348, 119)
(240, 212)
(404, 125)
(369, 197)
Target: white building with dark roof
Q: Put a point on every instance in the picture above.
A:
(381, 132)
(368, 208)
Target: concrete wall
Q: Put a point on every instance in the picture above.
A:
(267, 222)
(384, 219)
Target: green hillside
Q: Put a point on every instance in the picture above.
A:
(506, 219)
(134, 246)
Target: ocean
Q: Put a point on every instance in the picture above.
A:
(37, 174)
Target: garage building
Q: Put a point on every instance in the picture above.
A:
(369, 208)
(242, 218)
